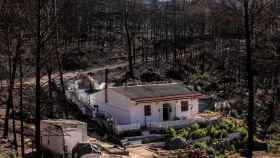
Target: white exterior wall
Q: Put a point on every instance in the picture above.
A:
(55, 140)
(127, 112)
(52, 139)
(137, 111)
(193, 108)
(74, 136)
(118, 105)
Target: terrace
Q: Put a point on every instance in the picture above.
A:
(206, 117)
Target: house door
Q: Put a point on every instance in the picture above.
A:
(166, 112)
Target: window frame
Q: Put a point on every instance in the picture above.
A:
(184, 107)
(147, 110)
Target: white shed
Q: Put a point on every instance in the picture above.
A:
(60, 136)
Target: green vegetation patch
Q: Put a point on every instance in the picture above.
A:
(222, 137)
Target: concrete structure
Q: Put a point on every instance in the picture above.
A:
(150, 106)
(60, 136)
(145, 105)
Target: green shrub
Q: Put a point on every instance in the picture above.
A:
(221, 156)
(188, 129)
(233, 149)
(213, 132)
(237, 144)
(243, 132)
(217, 133)
(200, 145)
(223, 133)
(227, 124)
(183, 133)
(195, 126)
(210, 151)
(199, 133)
(171, 133)
(234, 113)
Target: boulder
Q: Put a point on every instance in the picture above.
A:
(177, 143)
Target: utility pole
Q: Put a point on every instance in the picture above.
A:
(250, 121)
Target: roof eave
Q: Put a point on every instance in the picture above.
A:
(166, 98)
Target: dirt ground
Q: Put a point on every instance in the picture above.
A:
(258, 154)
(134, 152)
(141, 152)
(138, 152)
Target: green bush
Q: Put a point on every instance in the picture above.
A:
(183, 133)
(200, 145)
(210, 151)
(233, 148)
(217, 133)
(237, 144)
(226, 124)
(199, 133)
(195, 126)
(223, 133)
(234, 113)
(220, 156)
(171, 133)
(213, 132)
(243, 132)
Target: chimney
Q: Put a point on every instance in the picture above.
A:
(106, 85)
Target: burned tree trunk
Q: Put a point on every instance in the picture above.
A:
(50, 97)
(21, 107)
(250, 118)
(12, 69)
(129, 44)
(38, 80)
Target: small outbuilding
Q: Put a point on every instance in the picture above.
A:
(59, 137)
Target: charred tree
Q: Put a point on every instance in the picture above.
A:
(250, 119)
(38, 82)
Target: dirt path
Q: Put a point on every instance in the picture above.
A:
(71, 74)
(67, 75)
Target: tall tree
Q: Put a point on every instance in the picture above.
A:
(21, 106)
(250, 120)
(128, 37)
(38, 78)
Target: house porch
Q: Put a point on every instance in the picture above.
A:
(181, 123)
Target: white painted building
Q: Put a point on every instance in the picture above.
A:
(148, 105)
(60, 136)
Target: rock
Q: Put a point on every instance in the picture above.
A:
(234, 136)
(177, 143)
(203, 139)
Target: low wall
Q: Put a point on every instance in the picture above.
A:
(180, 123)
(123, 128)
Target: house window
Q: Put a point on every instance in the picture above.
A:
(184, 106)
(147, 110)
(95, 108)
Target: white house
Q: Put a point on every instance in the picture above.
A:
(148, 105)
(60, 136)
